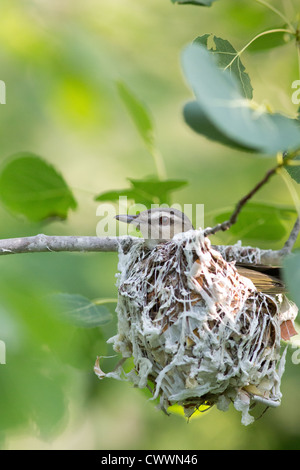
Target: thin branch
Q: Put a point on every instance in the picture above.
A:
(276, 257)
(269, 256)
(288, 246)
(228, 223)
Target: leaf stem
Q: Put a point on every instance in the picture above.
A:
(159, 164)
(278, 12)
(270, 31)
(291, 189)
(294, 163)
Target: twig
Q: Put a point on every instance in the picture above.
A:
(228, 223)
(287, 248)
(268, 256)
(279, 13)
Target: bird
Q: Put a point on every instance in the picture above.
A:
(160, 225)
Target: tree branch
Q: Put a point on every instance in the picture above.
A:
(55, 243)
(288, 246)
(45, 243)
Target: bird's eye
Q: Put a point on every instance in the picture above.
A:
(163, 220)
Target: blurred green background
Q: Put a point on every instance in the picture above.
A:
(60, 62)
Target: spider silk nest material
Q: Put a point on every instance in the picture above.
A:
(196, 329)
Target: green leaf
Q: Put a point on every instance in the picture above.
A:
(146, 192)
(204, 3)
(157, 189)
(32, 187)
(196, 118)
(139, 114)
(291, 274)
(223, 53)
(294, 170)
(80, 311)
(131, 194)
(259, 221)
(242, 121)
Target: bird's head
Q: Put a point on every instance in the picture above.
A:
(158, 225)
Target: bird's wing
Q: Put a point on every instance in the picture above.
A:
(263, 282)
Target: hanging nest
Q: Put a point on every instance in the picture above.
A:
(196, 329)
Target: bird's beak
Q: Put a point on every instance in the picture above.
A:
(126, 218)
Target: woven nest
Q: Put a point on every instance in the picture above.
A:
(197, 330)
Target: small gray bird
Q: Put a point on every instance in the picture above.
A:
(158, 225)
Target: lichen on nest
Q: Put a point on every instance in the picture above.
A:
(200, 332)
